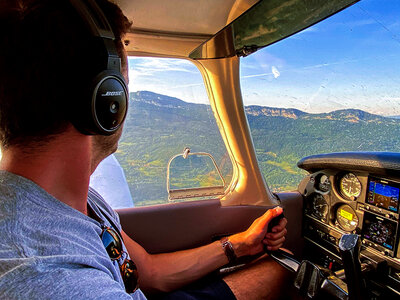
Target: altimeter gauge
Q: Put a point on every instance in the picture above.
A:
(346, 218)
(350, 186)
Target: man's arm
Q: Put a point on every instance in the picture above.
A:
(169, 271)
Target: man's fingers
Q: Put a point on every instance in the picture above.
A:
(272, 243)
(277, 235)
(268, 216)
(273, 248)
(280, 226)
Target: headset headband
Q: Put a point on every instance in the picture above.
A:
(98, 25)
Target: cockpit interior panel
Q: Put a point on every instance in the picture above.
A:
(350, 193)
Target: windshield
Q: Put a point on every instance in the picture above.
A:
(332, 87)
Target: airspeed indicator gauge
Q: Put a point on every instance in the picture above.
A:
(350, 186)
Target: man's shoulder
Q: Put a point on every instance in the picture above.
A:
(35, 224)
(35, 280)
(18, 214)
(48, 246)
(10, 188)
(19, 192)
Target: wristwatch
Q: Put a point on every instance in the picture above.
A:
(228, 249)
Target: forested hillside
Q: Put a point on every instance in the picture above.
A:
(159, 127)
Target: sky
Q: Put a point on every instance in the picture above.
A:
(351, 60)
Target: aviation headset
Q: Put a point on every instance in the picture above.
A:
(108, 96)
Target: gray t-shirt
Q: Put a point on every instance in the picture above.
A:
(48, 250)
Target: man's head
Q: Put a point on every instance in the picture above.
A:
(48, 58)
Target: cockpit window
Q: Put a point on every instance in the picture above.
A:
(332, 87)
(169, 111)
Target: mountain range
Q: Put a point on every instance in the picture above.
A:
(158, 127)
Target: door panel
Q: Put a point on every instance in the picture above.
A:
(177, 226)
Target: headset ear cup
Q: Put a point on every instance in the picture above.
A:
(108, 105)
(109, 102)
(103, 109)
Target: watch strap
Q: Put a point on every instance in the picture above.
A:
(228, 249)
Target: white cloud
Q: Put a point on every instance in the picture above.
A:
(150, 66)
(275, 72)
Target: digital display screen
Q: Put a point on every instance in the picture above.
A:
(383, 194)
(379, 230)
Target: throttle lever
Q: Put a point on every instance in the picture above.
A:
(274, 222)
(280, 254)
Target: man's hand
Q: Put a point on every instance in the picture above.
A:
(252, 241)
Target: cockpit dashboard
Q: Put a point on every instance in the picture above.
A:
(353, 193)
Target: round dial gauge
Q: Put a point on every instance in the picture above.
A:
(378, 232)
(324, 185)
(350, 186)
(346, 218)
(319, 207)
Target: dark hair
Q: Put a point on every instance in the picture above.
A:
(48, 59)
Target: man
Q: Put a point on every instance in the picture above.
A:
(55, 231)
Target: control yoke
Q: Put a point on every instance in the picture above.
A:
(312, 280)
(349, 246)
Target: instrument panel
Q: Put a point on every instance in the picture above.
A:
(354, 192)
(355, 202)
